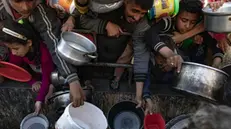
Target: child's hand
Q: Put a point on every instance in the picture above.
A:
(38, 107)
(223, 44)
(148, 106)
(198, 39)
(139, 101)
(216, 62)
(76, 94)
(113, 30)
(69, 24)
(216, 5)
(36, 86)
(50, 92)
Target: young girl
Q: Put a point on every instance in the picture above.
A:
(27, 49)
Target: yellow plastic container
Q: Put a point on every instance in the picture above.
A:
(163, 8)
(65, 5)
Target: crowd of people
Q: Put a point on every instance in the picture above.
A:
(30, 32)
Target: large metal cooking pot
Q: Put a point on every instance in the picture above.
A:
(57, 79)
(201, 80)
(104, 8)
(60, 100)
(76, 49)
(218, 21)
(179, 122)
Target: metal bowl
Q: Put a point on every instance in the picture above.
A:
(179, 122)
(201, 81)
(218, 21)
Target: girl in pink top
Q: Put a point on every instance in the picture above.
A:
(27, 49)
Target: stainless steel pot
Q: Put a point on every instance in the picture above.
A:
(201, 80)
(179, 122)
(60, 100)
(104, 8)
(218, 21)
(76, 49)
(57, 79)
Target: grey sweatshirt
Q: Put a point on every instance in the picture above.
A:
(44, 20)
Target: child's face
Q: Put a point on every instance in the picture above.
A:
(19, 49)
(23, 7)
(185, 21)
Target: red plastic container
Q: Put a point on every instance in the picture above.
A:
(154, 121)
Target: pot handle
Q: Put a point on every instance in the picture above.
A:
(92, 55)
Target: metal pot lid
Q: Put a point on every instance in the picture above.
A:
(179, 122)
(205, 66)
(56, 94)
(225, 9)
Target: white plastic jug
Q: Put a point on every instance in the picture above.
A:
(87, 116)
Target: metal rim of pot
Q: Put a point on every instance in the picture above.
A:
(74, 54)
(215, 13)
(104, 8)
(32, 115)
(176, 120)
(123, 102)
(205, 66)
(58, 93)
(79, 35)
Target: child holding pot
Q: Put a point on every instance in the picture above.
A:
(27, 49)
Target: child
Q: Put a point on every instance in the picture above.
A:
(27, 49)
(187, 18)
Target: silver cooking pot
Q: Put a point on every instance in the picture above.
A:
(104, 8)
(218, 21)
(76, 49)
(201, 80)
(60, 100)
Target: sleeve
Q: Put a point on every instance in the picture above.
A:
(4, 52)
(47, 67)
(2, 11)
(141, 52)
(212, 43)
(45, 22)
(93, 23)
(152, 35)
(146, 91)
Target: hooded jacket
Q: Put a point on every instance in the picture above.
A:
(97, 23)
(45, 22)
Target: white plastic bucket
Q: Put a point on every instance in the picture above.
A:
(87, 116)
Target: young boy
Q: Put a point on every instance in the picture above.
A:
(187, 18)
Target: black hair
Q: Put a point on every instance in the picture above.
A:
(25, 30)
(191, 6)
(144, 4)
(22, 29)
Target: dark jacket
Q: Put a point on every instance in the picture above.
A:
(195, 53)
(141, 52)
(44, 20)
